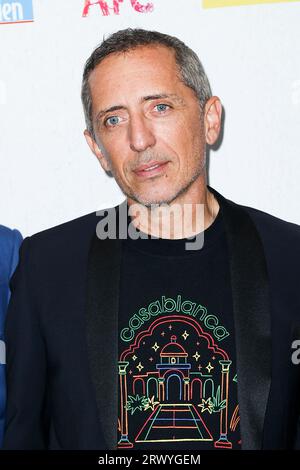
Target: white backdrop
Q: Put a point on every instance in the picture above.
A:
(250, 53)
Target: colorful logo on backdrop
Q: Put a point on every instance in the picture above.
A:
(112, 7)
(236, 3)
(16, 12)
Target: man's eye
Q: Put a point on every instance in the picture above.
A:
(112, 121)
(162, 107)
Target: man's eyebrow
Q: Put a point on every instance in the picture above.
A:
(158, 96)
(101, 113)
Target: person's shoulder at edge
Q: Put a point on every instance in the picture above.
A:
(9, 236)
(10, 241)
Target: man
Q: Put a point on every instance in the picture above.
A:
(10, 241)
(138, 342)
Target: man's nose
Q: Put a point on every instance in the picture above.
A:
(141, 134)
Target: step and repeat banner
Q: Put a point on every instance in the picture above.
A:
(250, 50)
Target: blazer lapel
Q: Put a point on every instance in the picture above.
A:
(251, 305)
(102, 330)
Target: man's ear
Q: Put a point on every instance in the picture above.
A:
(212, 119)
(97, 151)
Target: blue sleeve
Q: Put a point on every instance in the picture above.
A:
(10, 243)
(17, 240)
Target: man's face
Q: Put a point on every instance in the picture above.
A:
(149, 129)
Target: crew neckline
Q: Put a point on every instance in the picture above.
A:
(176, 247)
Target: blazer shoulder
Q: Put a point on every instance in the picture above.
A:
(275, 226)
(280, 238)
(64, 230)
(64, 242)
(267, 225)
(76, 228)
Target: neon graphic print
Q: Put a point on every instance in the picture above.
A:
(175, 385)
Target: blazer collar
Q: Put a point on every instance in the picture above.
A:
(103, 277)
(251, 308)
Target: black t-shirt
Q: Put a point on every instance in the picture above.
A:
(177, 365)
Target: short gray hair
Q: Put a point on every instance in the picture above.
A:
(191, 71)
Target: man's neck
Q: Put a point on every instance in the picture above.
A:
(183, 218)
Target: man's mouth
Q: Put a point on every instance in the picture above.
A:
(151, 169)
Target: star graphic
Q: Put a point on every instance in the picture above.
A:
(151, 359)
(197, 343)
(134, 357)
(139, 366)
(199, 367)
(196, 355)
(135, 403)
(151, 404)
(209, 367)
(170, 327)
(206, 405)
(155, 347)
(162, 333)
(130, 372)
(185, 335)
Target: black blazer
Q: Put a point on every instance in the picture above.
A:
(61, 334)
